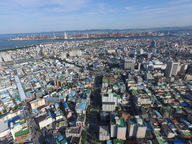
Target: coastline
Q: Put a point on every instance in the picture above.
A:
(84, 38)
(19, 44)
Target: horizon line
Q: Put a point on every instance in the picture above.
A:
(102, 29)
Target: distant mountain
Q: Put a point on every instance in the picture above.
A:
(136, 29)
(158, 29)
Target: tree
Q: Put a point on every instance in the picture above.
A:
(10, 108)
(83, 141)
(16, 107)
(4, 111)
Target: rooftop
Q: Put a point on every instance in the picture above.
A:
(135, 92)
(187, 133)
(118, 142)
(22, 132)
(133, 121)
(121, 122)
(81, 106)
(161, 141)
(3, 126)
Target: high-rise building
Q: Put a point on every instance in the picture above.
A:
(183, 68)
(118, 128)
(104, 133)
(132, 127)
(140, 51)
(152, 44)
(135, 56)
(65, 36)
(136, 127)
(141, 127)
(129, 64)
(113, 129)
(109, 102)
(189, 70)
(172, 69)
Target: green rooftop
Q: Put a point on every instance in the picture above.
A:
(143, 109)
(118, 141)
(105, 80)
(22, 121)
(157, 134)
(138, 120)
(54, 95)
(118, 96)
(161, 141)
(187, 133)
(22, 132)
(62, 123)
(135, 92)
(61, 140)
(88, 91)
(121, 124)
(66, 88)
(133, 121)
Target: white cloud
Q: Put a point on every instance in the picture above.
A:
(130, 8)
(166, 10)
(50, 5)
(175, 2)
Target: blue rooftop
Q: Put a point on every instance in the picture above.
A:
(65, 104)
(109, 142)
(184, 104)
(178, 142)
(16, 124)
(72, 93)
(13, 120)
(149, 127)
(157, 113)
(60, 138)
(81, 106)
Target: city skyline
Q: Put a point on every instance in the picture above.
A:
(60, 15)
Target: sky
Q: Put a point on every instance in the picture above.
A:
(23, 16)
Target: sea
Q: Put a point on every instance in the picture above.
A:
(5, 43)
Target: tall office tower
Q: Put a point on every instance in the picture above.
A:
(129, 64)
(172, 69)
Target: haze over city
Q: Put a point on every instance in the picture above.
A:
(95, 72)
(23, 16)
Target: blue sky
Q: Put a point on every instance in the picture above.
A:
(20, 16)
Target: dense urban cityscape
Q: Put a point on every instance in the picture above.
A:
(114, 91)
